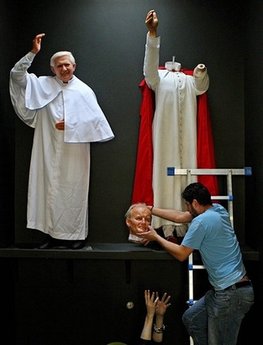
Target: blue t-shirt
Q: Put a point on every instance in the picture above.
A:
(212, 235)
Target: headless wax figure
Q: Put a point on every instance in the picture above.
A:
(66, 118)
(174, 124)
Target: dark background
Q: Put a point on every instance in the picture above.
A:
(107, 38)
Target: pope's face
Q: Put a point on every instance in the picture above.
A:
(139, 220)
(63, 68)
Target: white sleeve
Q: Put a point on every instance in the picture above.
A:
(17, 88)
(151, 61)
(18, 73)
(201, 78)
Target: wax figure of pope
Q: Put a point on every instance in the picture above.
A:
(66, 118)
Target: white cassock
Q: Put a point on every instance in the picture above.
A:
(174, 126)
(59, 174)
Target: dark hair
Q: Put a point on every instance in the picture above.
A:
(197, 191)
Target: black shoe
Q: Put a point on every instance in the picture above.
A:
(62, 244)
(78, 244)
(55, 243)
(47, 244)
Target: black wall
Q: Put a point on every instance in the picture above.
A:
(107, 39)
(254, 121)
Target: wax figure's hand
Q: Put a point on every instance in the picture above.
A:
(36, 46)
(151, 22)
(60, 125)
(163, 304)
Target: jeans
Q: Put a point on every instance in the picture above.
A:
(215, 319)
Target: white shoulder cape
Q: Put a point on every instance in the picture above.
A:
(84, 119)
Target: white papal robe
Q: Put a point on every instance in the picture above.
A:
(59, 174)
(174, 126)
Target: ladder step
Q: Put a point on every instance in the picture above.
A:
(171, 171)
(191, 302)
(222, 197)
(195, 267)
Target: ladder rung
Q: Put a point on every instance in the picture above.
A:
(191, 302)
(222, 197)
(195, 267)
(171, 171)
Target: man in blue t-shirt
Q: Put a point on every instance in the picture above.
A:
(216, 317)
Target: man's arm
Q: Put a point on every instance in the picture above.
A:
(180, 252)
(150, 303)
(159, 327)
(172, 215)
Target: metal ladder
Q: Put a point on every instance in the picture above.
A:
(229, 172)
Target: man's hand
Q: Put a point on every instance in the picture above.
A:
(147, 236)
(36, 46)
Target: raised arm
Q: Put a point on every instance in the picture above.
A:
(152, 47)
(150, 302)
(161, 308)
(19, 71)
(18, 82)
(172, 215)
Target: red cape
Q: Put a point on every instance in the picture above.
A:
(142, 185)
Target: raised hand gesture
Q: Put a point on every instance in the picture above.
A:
(36, 46)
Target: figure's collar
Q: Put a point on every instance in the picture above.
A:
(173, 66)
(134, 238)
(62, 83)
